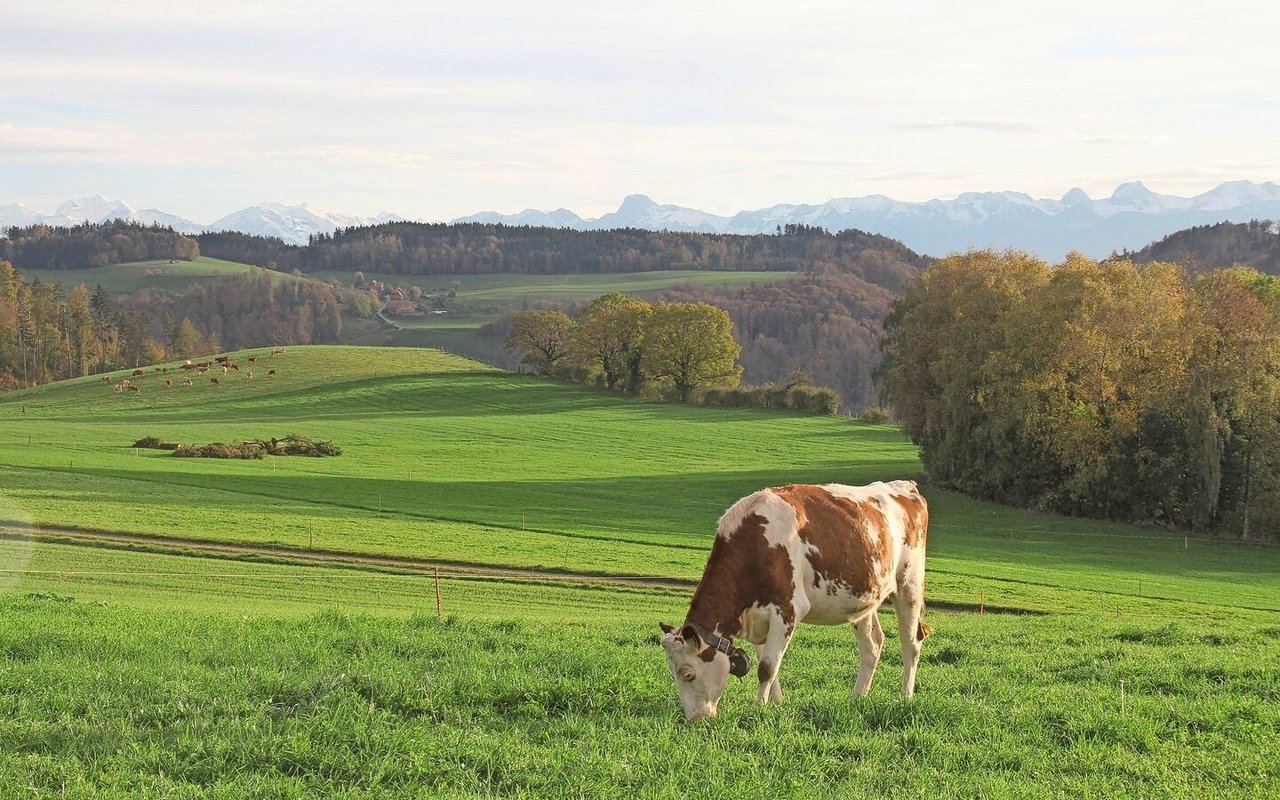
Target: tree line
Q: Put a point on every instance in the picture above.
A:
(49, 334)
(1108, 389)
(94, 245)
(415, 248)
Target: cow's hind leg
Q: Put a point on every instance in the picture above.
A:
(909, 605)
(870, 641)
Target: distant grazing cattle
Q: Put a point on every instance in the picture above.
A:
(119, 387)
(165, 370)
(213, 380)
(168, 383)
(222, 359)
(271, 372)
(253, 359)
(224, 369)
(106, 379)
(134, 388)
(139, 372)
(248, 374)
(234, 365)
(822, 554)
(156, 369)
(186, 381)
(188, 366)
(279, 351)
(202, 368)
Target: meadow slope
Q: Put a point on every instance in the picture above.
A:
(1126, 661)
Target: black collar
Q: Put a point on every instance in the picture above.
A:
(722, 643)
(739, 661)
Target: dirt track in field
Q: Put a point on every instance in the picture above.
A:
(288, 555)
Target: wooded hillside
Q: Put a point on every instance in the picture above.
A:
(1252, 244)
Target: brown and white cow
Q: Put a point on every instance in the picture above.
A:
(821, 554)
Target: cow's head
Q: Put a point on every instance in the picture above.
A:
(701, 671)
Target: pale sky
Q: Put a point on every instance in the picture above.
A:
(437, 110)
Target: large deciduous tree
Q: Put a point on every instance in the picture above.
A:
(610, 338)
(541, 338)
(691, 345)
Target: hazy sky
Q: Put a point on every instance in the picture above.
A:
(435, 110)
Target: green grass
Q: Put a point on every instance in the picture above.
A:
(445, 459)
(117, 701)
(1148, 669)
(508, 289)
(154, 275)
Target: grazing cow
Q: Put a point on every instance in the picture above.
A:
(168, 383)
(186, 381)
(213, 380)
(248, 374)
(279, 351)
(253, 359)
(821, 554)
(156, 369)
(134, 388)
(224, 369)
(222, 359)
(271, 372)
(119, 387)
(165, 370)
(202, 368)
(234, 366)
(106, 379)
(139, 372)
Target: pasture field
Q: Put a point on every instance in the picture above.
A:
(1134, 662)
(120, 700)
(513, 290)
(155, 275)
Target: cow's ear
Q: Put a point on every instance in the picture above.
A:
(691, 636)
(665, 627)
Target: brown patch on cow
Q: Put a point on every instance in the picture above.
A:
(743, 570)
(917, 510)
(707, 654)
(850, 538)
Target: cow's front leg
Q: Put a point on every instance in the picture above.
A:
(870, 641)
(770, 654)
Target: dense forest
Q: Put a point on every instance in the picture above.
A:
(47, 334)
(1108, 389)
(413, 248)
(93, 245)
(1252, 244)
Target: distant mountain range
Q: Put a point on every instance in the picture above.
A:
(1130, 218)
(293, 224)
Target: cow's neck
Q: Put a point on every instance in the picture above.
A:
(715, 615)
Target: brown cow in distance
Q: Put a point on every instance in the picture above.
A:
(826, 554)
(139, 372)
(213, 380)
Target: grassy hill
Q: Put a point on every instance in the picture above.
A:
(155, 275)
(1138, 661)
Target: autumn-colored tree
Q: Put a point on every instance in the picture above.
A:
(690, 345)
(541, 338)
(609, 338)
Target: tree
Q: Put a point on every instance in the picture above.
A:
(690, 345)
(609, 337)
(541, 338)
